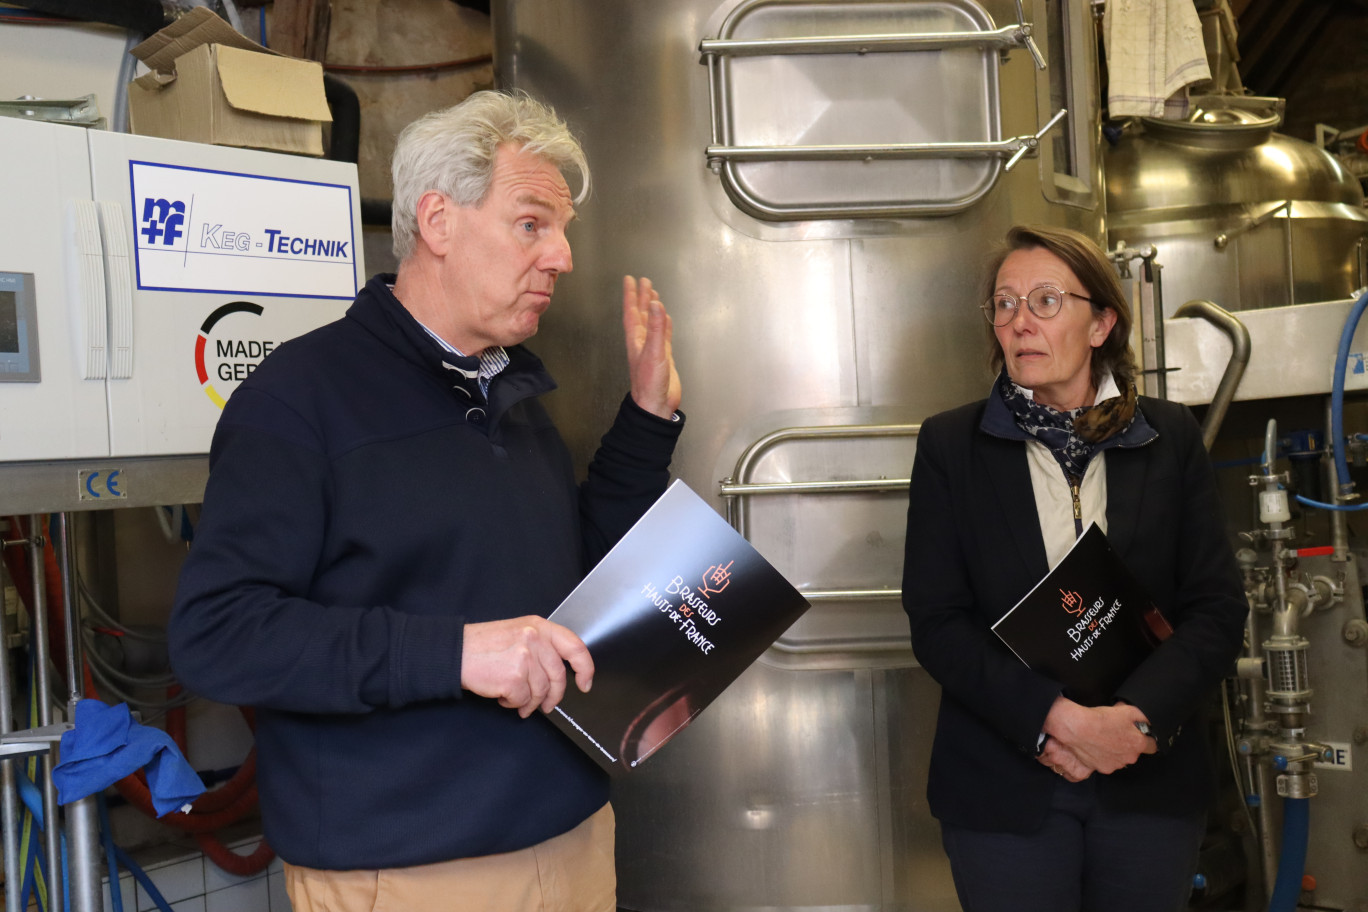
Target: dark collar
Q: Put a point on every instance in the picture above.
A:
(999, 421)
(381, 313)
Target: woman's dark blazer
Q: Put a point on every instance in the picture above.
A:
(974, 548)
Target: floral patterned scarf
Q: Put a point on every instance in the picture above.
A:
(1073, 436)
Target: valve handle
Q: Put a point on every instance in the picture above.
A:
(1024, 30)
(1031, 143)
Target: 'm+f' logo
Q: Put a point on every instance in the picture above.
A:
(163, 222)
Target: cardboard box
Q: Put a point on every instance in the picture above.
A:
(210, 84)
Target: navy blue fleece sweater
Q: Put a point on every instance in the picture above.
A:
(364, 504)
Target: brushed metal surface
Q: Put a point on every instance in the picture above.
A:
(802, 786)
(1292, 353)
(51, 487)
(1181, 195)
(858, 98)
(1338, 675)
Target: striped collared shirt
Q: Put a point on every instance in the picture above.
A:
(492, 360)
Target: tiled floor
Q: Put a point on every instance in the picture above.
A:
(195, 884)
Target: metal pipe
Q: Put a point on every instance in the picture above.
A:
(1225, 237)
(70, 608)
(871, 152)
(42, 683)
(83, 855)
(1229, 324)
(1153, 272)
(1010, 36)
(852, 595)
(877, 485)
(1256, 722)
(1339, 519)
(9, 796)
(82, 817)
(1287, 237)
(1268, 826)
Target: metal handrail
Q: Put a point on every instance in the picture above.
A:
(1229, 324)
(876, 485)
(1005, 38)
(1013, 150)
(735, 492)
(722, 151)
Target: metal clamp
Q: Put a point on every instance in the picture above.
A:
(33, 740)
(84, 111)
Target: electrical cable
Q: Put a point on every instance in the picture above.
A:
(35, 876)
(128, 65)
(231, 12)
(1342, 508)
(1245, 789)
(377, 70)
(163, 680)
(1337, 394)
(108, 620)
(28, 793)
(145, 16)
(213, 810)
(111, 861)
(25, 17)
(141, 877)
(231, 802)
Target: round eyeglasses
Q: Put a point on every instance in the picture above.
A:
(1044, 301)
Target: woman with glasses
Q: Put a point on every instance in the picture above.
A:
(1046, 804)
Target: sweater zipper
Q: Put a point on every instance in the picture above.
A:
(1077, 505)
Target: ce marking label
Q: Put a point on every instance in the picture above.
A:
(100, 484)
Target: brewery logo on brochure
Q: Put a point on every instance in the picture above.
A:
(672, 615)
(1087, 624)
(687, 608)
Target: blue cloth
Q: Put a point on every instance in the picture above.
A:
(106, 745)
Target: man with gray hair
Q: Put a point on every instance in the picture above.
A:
(389, 518)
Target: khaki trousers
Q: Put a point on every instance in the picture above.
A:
(573, 872)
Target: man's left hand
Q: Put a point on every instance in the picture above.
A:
(650, 358)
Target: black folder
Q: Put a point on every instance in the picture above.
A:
(1087, 624)
(672, 615)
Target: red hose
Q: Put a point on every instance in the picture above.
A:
(17, 563)
(213, 810)
(232, 862)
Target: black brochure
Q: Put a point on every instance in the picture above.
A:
(672, 615)
(1087, 624)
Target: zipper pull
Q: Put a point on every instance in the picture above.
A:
(1077, 504)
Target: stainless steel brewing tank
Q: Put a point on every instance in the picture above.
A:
(833, 297)
(1240, 215)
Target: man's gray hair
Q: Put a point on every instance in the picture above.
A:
(452, 151)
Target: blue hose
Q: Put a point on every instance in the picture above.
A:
(1342, 508)
(111, 862)
(34, 801)
(1292, 861)
(28, 793)
(1337, 395)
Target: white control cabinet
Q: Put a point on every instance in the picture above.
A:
(142, 279)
